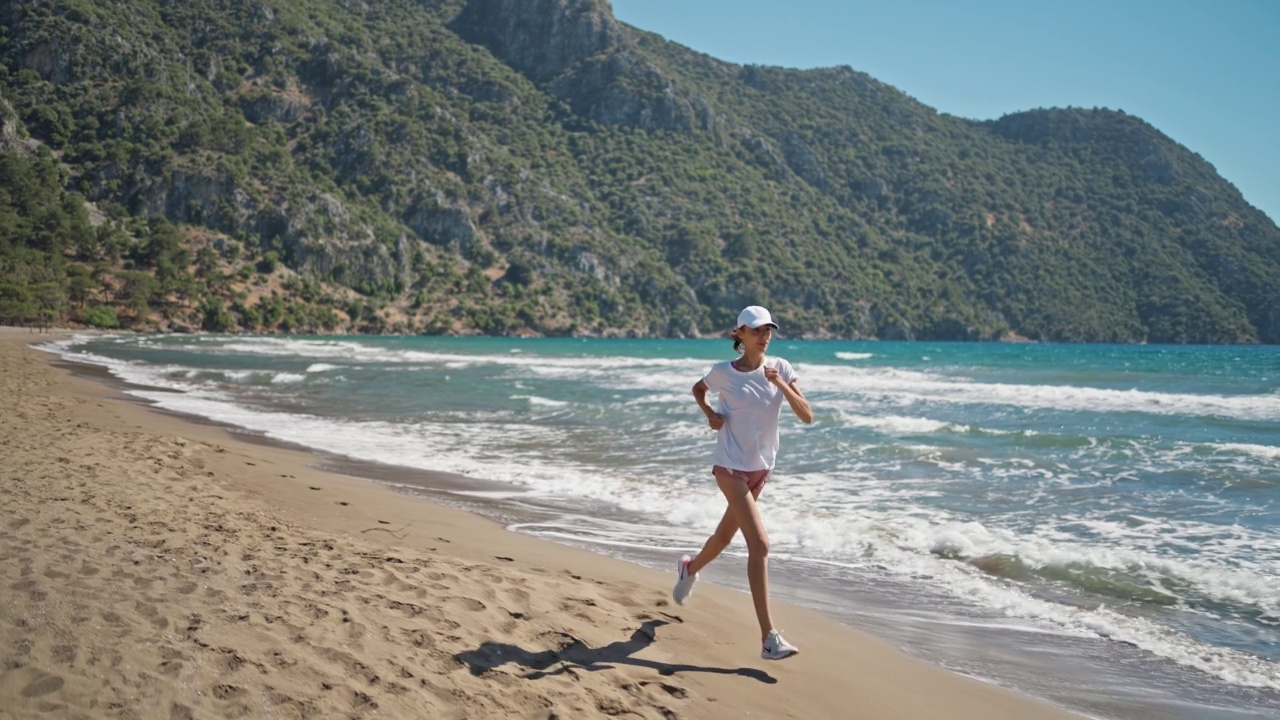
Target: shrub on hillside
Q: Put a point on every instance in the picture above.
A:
(100, 316)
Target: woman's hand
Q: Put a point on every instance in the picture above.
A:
(772, 375)
(714, 419)
(799, 405)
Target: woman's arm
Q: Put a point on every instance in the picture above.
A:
(791, 391)
(799, 404)
(714, 419)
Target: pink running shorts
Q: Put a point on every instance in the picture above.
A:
(754, 479)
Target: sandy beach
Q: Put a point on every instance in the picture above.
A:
(152, 567)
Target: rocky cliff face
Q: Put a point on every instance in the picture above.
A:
(316, 232)
(619, 88)
(10, 141)
(576, 50)
(541, 38)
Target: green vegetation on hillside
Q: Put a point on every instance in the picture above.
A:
(533, 166)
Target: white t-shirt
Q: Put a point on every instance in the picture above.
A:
(750, 406)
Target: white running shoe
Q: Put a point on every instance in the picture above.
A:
(776, 647)
(685, 581)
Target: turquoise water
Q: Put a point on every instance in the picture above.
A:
(1006, 510)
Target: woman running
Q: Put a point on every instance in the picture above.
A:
(751, 389)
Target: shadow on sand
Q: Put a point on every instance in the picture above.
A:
(577, 655)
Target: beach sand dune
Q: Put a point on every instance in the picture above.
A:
(152, 567)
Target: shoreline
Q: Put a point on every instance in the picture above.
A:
(172, 568)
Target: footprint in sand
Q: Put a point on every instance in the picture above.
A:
(470, 604)
(228, 692)
(420, 638)
(42, 685)
(152, 615)
(672, 690)
(65, 654)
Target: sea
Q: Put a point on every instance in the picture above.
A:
(1094, 525)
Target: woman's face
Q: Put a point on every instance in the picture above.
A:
(756, 339)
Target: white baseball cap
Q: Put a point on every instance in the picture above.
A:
(754, 316)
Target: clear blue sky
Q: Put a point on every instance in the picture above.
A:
(1204, 72)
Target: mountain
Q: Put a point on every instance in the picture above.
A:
(537, 167)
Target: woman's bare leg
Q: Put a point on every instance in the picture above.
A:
(715, 544)
(721, 538)
(742, 505)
